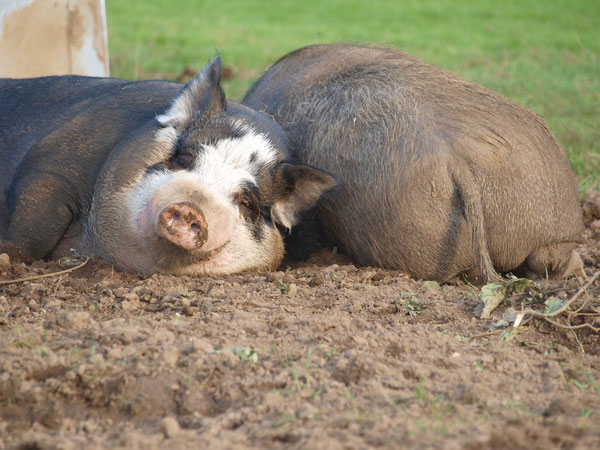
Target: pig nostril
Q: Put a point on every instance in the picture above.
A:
(196, 228)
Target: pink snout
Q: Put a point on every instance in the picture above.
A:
(184, 225)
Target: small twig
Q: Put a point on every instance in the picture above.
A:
(562, 309)
(487, 333)
(578, 341)
(57, 284)
(582, 305)
(46, 275)
(572, 299)
(560, 325)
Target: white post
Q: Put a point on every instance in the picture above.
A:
(53, 37)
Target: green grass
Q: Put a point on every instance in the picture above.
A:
(543, 54)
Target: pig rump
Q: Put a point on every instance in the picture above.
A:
(437, 176)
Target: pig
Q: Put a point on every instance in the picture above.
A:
(437, 176)
(152, 176)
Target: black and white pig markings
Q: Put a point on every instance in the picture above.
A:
(152, 176)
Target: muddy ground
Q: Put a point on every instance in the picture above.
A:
(323, 355)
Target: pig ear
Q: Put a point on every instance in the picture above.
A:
(299, 189)
(203, 94)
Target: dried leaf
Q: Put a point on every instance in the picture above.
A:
(523, 290)
(552, 304)
(410, 306)
(245, 354)
(502, 323)
(510, 315)
(509, 334)
(491, 295)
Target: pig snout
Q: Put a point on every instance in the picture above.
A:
(184, 225)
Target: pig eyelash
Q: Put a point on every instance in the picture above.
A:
(182, 161)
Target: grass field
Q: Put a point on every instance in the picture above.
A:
(543, 54)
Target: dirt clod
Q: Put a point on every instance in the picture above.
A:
(4, 262)
(170, 427)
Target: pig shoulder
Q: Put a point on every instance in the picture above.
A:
(56, 132)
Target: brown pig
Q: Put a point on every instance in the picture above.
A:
(438, 176)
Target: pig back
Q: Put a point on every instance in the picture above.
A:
(398, 134)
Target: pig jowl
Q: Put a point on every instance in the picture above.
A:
(152, 176)
(437, 176)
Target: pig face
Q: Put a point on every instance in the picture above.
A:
(202, 189)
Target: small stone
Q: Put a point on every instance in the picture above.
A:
(307, 393)
(306, 411)
(170, 427)
(551, 369)
(563, 406)
(292, 289)
(359, 340)
(317, 280)
(273, 401)
(75, 320)
(170, 355)
(89, 426)
(132, 297)
(431, 285)
(130, 302)
(368, 276)
(4, 261)
(188, 311)
(200, 345)
(239, 314)
(275, 276)
(97, 359)
(114, 353)
(120, 292)
(216, 291)
(355, 307)
(331, 268)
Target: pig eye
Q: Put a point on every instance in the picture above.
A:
(247, 200)
(182, 161)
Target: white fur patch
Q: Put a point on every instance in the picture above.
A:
(219, 172)
(226, 165)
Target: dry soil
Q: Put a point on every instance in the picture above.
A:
(318, 355)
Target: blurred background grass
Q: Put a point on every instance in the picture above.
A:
(542, 54)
